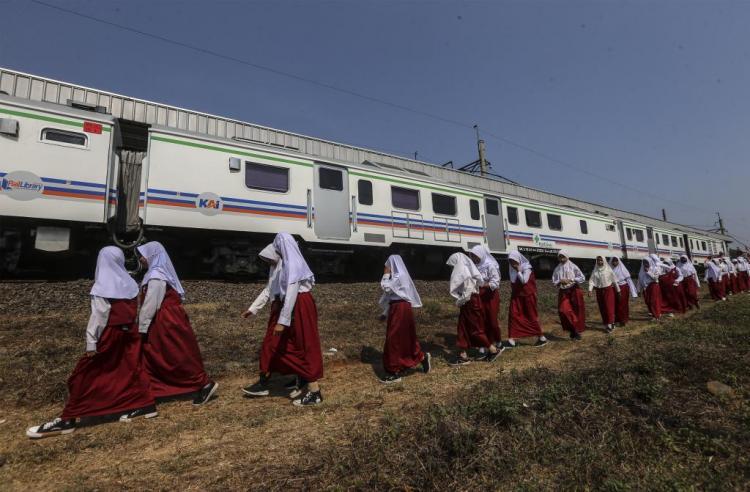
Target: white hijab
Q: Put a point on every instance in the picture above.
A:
(160, 266)
(655, 263)
(623, 274)
(524, 265)
(486, 261)
(644, 279)
(602, 276)
(565, 271)
(112, 280)
(713, 271)
(465, 275)
(294, 267)
(687, 269)
(401, 283)
(269, 253)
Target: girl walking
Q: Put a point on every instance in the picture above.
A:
(109, 378)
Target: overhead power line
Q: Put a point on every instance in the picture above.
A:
(360, 95)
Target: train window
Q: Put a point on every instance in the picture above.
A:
(638, 235)
(584, 226)
(609, 227)
(443, 204)
(682, 244)
(65, 137)
(674, 241)
(330, 179)
(692, 245)
(649, 233)
(405, 198)
(512, 215)
(665, 239)
(657, 238)
(492, 207)
(364, 192)
(554, 222)
(474, 209)
(629, 233)
(266, 178)
(533, 218)
(703, 243)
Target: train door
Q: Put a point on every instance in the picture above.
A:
(623, 243)
(331, 201)
(494, 224)
(688, 249)
(650, 240)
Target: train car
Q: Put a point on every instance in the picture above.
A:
(81, 168)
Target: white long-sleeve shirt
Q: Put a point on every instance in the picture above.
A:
(491, 277)
(100, 308)
(157, 288)
(385, 284)
(273, 290)
(559, 275)
(523, 276)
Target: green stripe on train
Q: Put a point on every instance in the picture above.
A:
(50, 119)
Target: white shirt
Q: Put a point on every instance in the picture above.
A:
(271, 290)
(97, 321)
(567, 271)
(385, 284)
(157, 288)
(290, 299)
(491, 277)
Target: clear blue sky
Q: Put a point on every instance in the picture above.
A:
(652, 94)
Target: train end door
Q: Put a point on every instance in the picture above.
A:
(494, 225)
(331, 202)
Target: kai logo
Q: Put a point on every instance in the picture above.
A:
(538, 241)
(21, 185)
(209, 203)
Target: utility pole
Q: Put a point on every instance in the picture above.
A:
(721, 224)
(480, 147)
(664, 215)
(415, 155)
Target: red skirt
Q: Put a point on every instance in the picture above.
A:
(735, 280)
(727, 285)
(523, 317)
(572, 310)
(744, 281)
(401, 350)
(490, 308)
(297, 349)
(670, 300)
(690, 291)
(606, 299)
(172, 358)
(471, 325)
(113, 380)
(716, 288)
(622, 305)
(652, 297)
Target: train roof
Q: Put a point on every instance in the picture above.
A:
(36, 88)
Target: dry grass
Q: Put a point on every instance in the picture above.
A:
(239, 443)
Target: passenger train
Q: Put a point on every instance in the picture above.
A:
(80, 168)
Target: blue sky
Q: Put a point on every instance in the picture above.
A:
(651, 95)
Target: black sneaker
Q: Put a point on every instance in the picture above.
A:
(427, 363)
(258, 389)
(293, 384)
(310, 398)
(54, 428)
(148, 412)
(391, 379)
(480, 355)
(575, 336)
(541, 343)
(205, 393)
(492, 357)
(459, 361)
(508, 345)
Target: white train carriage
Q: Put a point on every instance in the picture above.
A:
(80, 166)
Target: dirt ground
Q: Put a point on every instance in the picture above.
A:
(236, 442)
